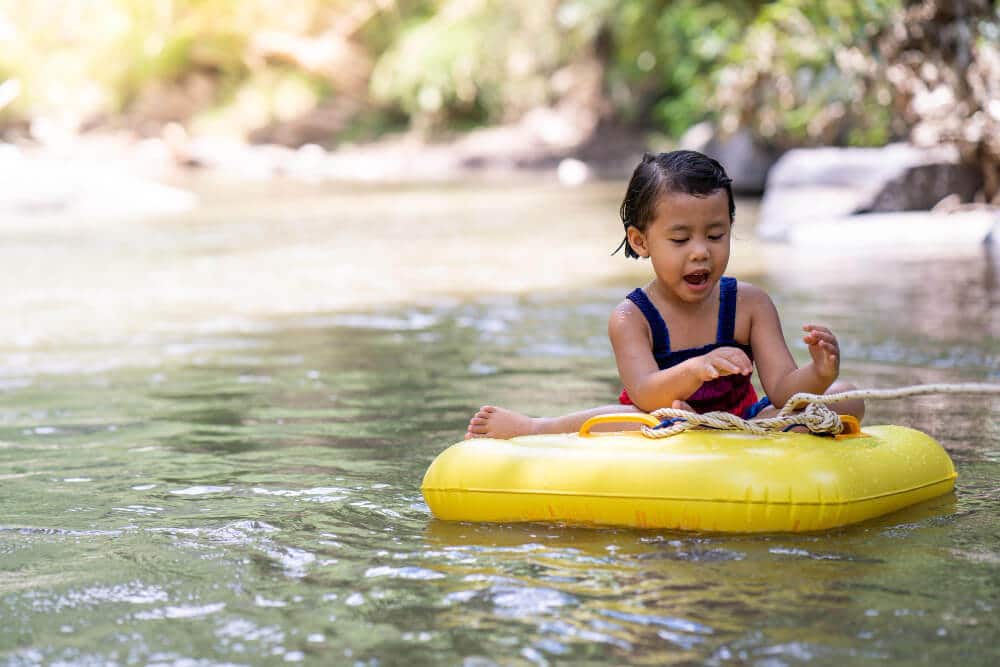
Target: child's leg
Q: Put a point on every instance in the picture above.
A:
(854, 406)
(494, 422)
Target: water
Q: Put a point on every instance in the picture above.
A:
(242, 487)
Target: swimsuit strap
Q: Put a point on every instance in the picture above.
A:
(727, 310)
(661, 337)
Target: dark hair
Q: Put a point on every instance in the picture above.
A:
(687, 172)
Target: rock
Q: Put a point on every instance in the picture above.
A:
(948, 204)
(920, 188)
(746, 161)
(914, 233)
(809, 185)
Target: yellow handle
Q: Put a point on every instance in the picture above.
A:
(641, 417)
(852, 427)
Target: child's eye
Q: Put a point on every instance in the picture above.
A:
(678, 241)
(715, 237)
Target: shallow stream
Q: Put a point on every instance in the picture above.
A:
(196, 474)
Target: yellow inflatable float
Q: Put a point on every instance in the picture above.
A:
(697, 480)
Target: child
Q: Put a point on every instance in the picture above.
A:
(691, 337)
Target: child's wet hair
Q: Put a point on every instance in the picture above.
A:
(685, 172)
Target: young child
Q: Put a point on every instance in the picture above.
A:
(690, 338)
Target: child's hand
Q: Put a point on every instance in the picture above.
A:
(722, 361)
(824, 349)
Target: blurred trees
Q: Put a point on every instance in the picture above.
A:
(797, 72)
(942, 61)
(666, 56)
(804, 73)
(486, 61)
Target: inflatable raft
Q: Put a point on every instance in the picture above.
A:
(698, 480)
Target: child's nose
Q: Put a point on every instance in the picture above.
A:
(699, 250)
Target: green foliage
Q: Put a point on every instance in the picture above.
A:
(802, 74)
(665, 54)
(483, 61)
(79, 58)
(795, 71)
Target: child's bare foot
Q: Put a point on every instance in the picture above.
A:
(682, 405)
(494, 422)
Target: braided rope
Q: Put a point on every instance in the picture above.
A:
(815, 415)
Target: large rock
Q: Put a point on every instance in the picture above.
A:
(922, 187)
(912, 233)
(811, 185)
(746, 161)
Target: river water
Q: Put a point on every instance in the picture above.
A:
(213, 429)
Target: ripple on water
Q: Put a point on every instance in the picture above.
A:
(241, 629)
(802, 553)
(255, 535)
(692, 551)
(141, 510)
(200, 490)
(409, 572)
(323, 494)
(135, 592)
(180, 611)
(510, 601)
(597, 631)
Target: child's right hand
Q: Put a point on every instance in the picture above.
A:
(721, 361)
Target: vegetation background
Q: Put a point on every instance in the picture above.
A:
(330, 72)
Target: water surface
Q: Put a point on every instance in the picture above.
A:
(242, 486)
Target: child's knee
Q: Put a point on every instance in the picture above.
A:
(851, 406)
(840, 386)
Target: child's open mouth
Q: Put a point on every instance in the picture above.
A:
(696, 278)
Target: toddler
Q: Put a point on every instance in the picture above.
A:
(690, 338)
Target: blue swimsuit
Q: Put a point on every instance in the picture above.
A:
(728, 393)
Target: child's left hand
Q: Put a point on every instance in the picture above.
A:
(824, 349)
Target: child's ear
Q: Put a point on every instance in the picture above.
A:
(637, 240)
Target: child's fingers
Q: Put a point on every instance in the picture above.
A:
(723, 364)
(820, 337)
(735, 359)
(822, 340)
(830, 353)
(743, 366)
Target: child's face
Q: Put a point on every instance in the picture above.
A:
(687, 243)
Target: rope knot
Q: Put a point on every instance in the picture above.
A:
(809, 410)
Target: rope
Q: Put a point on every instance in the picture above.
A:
(815, 415)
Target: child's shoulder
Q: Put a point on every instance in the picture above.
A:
(750, 291)
(627, 316)
(751, 297)
(626, 308)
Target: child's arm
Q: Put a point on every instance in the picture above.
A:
(651, 388)
(779, 375)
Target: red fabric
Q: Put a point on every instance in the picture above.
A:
(739, 409)
(624, 399)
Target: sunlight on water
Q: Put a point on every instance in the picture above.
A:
(244, 489)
